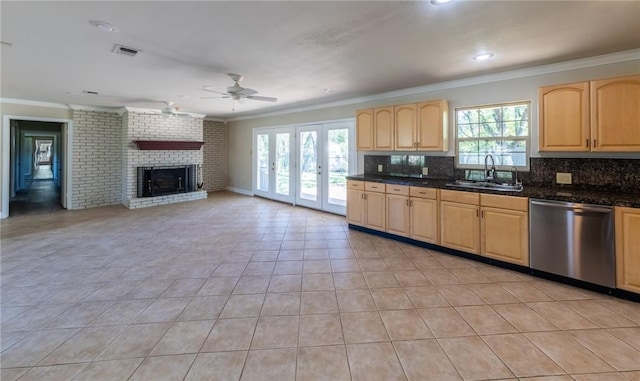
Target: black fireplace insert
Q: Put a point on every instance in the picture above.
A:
(160, 181)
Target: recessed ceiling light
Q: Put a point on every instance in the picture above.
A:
(104, 26)
(440, 2)
(483, 56)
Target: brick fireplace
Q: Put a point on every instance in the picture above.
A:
(142, 127)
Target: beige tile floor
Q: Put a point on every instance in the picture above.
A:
(235, 287)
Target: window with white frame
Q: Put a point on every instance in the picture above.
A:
(501, 130)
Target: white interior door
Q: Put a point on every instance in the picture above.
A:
(273, 167)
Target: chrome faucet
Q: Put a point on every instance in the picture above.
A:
(489, 173)
(514, 175)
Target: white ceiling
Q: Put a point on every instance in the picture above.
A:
(289, 50)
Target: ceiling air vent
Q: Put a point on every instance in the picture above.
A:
(119, 49)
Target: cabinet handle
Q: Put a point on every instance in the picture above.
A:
(406, 202)
(411, 203)
(595, 144)
(477, 213)
(482, 214)
(587, 143)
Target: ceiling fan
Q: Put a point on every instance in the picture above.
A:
(170, 110)
(237, 92)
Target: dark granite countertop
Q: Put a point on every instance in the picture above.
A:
(546, 193)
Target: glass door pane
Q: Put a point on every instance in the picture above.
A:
(282, 168)
(337, 166)
(309, 165)
(262, 162)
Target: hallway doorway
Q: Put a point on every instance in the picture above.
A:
(37, 158)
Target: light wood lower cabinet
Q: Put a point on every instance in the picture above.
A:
(366, 204)
(398, 211)
(504, 228)
(424, 214)
(493, 226)
(355, 202)
(459, 221)
(627, 228)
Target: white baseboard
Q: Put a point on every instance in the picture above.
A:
(240, 191)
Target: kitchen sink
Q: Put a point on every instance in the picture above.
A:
(469, 184)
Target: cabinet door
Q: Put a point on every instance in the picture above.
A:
(460, 226)
(424, 220)
(505, 235)
(432, 127)
(615, 114)
(355, 207)
(564, 117)
(364, 130)
(628, 249)
(405, 119)
(398, 214)
(383, 128)
(375, 211)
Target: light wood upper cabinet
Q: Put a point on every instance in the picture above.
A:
(364, 130)
(627, 248)
(564, 117)
(615, 114)
(594, 116)
(405, 131)
(383, 123)
(432, 128)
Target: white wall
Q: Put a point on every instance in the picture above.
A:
(518, 85)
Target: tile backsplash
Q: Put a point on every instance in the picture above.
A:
(440, 167)
(616, 175)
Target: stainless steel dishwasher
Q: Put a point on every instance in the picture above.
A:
(573, 240)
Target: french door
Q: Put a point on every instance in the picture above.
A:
(273, 169)
(305, 165)
(323, 162)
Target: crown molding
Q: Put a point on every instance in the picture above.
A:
(606, 59)
(34, 103)
(140, 110)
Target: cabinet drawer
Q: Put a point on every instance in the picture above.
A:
(423, 192)
(461, 197)
(398, 189)
(374, 187)
(355, 184)
(505, 202)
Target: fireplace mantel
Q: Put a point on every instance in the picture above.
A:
(168, 145)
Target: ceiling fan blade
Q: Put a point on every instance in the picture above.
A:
(247, 92)
(213, 91)
(223, 96)
(259, 98)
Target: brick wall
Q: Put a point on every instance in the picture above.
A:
(97, 159)
(139, 126)
(214, 168)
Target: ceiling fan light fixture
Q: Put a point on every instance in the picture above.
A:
(482, 56)
(104, 26)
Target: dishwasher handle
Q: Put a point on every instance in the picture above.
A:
(574, 207)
